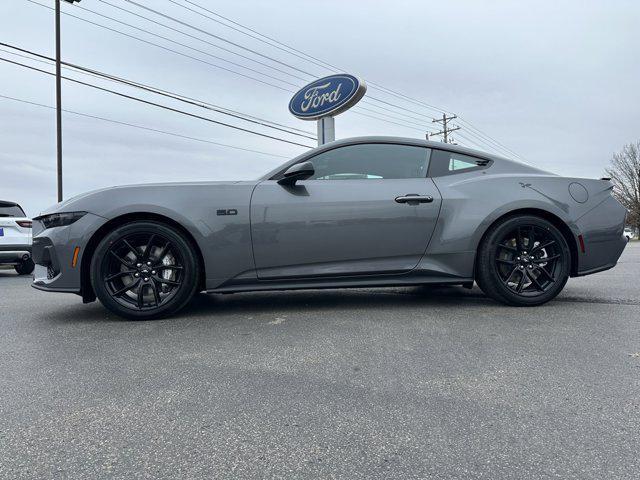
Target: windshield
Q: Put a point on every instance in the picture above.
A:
(9, 210)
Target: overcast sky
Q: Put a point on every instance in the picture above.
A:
(555, 81)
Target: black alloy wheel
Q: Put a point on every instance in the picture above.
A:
(523, 261)
(528, 260)
(144, 270)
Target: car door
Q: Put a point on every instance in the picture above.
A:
(368, 209)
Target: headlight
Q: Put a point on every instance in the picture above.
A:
(60, 219)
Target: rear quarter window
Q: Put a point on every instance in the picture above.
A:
(450, 163)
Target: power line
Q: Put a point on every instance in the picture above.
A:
(233, 43)
(317, 61)
(407, 123)
(184, 45)
(276, 43)
(407, 98)
(166, 48)
(303, 55)
(97, 74)
(474, 143)
(469, 125)
(175, 96)
(197, 38)
(133, 125)
(288, 48)
(386, 121)
(379, 87)
(163, 131)
(164, 107)
(481, 134)
(221, 38)
(393, 105)
(307, 73)
(200, 51)
(237, 45)
(408, 118)
(481, 144)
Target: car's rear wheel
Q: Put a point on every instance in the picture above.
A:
(523, 261)
(25, 267)
(144, 270)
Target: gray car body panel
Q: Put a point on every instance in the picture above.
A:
(259, 235)
(323, 228)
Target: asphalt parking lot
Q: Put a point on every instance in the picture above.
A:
(379, 383)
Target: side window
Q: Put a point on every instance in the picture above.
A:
(461, 162)
(447, 163)
(371, 161)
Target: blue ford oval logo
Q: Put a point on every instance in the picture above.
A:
(327, 96)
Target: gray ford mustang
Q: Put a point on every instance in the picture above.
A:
(370, 211)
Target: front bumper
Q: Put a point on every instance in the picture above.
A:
(53, 250)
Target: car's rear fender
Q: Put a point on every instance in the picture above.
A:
(472, 204)
(603, 236)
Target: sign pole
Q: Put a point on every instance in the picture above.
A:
(326, 130)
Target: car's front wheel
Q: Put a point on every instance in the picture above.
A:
(144, 270)
(523, 261)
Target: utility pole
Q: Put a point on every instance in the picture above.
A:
(446, 130)
(59, 100)
(58, 103)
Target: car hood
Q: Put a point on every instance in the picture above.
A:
(98, 201)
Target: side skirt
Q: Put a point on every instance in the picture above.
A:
(344, 282)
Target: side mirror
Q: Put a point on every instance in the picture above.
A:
(296, 172)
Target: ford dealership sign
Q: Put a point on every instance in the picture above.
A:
(328, 96)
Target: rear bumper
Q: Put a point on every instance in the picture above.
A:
(602, 230)
(596, 270)
(14, 254)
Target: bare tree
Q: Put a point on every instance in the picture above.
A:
(625, 174)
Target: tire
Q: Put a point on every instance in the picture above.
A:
(25, 267)
(523, 261)
(144, 270)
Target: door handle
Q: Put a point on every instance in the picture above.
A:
(413, 199)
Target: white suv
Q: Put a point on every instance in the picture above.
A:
(629, 234)
(15, 238)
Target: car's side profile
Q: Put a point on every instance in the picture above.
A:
(368, 211)
(15, 238)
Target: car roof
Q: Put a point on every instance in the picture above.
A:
(4, 203)
(414, 141)
(401, 141)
